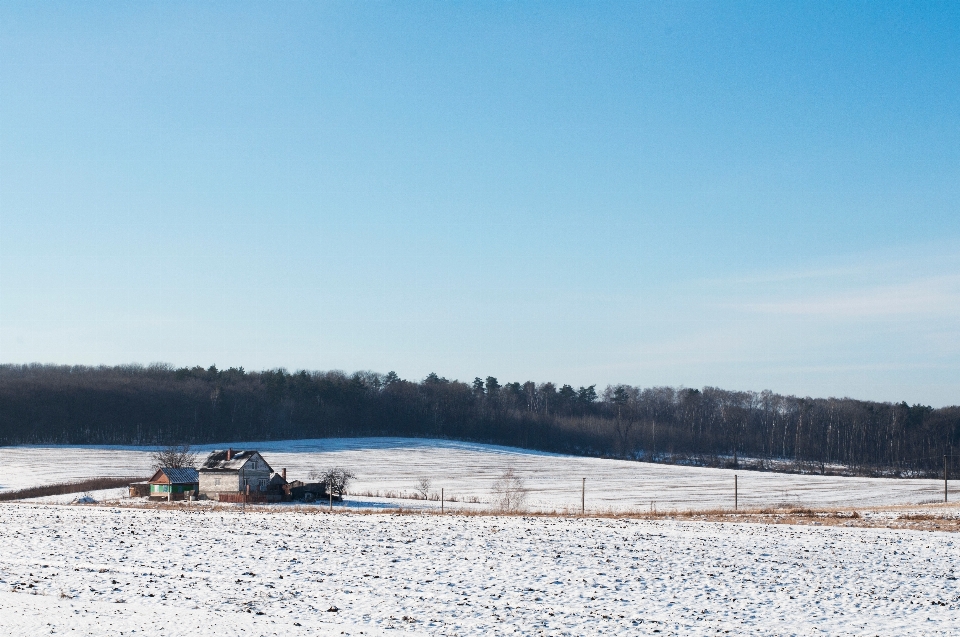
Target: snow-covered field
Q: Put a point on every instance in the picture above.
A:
(392, 466)
(89, 570)
(197, 570)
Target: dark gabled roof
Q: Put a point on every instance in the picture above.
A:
(217, 461)
(186, 475)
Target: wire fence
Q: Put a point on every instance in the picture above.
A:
(732, 491)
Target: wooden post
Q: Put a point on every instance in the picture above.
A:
(583, 496)
(441, 500)
(944, 478)
(330, 493)
(735, 494)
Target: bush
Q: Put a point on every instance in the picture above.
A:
(509, 492)
(423, 488)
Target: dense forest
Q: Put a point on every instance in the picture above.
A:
(42, 404)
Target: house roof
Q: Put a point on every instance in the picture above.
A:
(186, 475)
(217, 460)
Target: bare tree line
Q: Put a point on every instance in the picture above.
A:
(160, 405)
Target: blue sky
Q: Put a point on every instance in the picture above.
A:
(746, 195)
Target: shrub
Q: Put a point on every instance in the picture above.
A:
(509, 492)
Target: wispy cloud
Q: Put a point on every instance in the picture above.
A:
(881, 326)
(929, 296)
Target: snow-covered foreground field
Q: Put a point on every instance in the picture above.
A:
(88, 570)
(467, 472)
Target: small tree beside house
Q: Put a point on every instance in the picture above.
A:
(175, 457)
(336, 480)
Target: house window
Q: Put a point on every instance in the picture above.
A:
(263, 484)
(216, 482)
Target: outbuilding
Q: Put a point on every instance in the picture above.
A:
(170, 483)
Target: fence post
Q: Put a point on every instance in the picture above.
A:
(735, 493)
(330, 493)
(583, 496)
(441, 500)
(944, 478)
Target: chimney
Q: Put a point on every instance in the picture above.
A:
(229, 454)
(283, 472)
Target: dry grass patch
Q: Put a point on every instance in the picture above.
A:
(898, 517)
(63, 488)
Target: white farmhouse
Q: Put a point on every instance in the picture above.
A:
(231, 472)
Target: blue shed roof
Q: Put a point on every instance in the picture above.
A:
(187, 475)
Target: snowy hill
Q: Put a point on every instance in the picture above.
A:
(392, 467)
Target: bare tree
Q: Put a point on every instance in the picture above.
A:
(620, 396)
(174, 457)
(509, 492)
(423, 487)
(336, 479)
